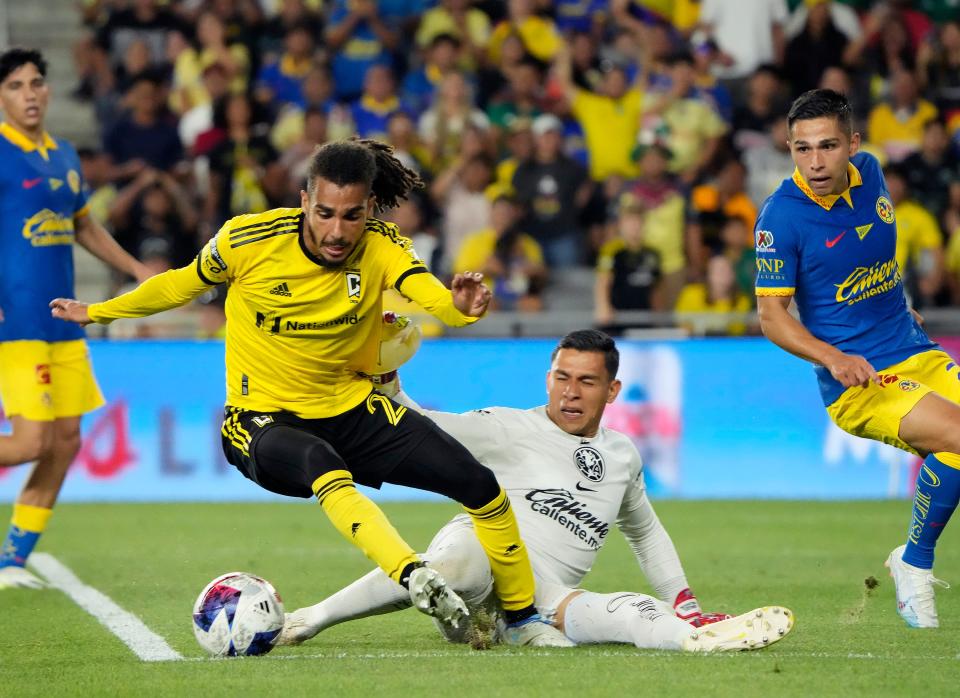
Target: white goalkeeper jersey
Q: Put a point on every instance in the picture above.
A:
(567, 491)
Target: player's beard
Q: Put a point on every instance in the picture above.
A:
(318, 256)
(328, 264)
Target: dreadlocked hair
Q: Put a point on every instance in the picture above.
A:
(368, 162)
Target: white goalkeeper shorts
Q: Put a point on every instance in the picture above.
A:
(457, 554)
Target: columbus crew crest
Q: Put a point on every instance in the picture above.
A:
(353, 286)
(590, 463)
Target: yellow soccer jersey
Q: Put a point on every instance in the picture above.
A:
(298, 334)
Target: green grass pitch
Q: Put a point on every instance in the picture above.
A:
(153, 560)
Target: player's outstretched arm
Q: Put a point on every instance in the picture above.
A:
(788, 333)
(462, 304)
(170, 289)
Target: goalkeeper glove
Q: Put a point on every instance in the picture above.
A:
(688, 609)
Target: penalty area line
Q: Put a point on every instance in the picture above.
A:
(132, 631)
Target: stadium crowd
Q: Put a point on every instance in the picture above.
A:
(637, 137)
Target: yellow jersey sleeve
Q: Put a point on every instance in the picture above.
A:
(435, 298)
(170, 289)
(407, 273)
(173, 288)
(211, 263)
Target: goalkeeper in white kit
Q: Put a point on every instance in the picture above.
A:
(569, 481)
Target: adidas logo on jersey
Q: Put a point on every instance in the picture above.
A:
(281, 290)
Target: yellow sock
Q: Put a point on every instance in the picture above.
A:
(497, 530)
(362, 523)
(30, 518)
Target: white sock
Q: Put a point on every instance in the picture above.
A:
(625, 617)
(371, 595)
(454, 552)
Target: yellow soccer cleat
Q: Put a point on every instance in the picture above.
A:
(751, 631)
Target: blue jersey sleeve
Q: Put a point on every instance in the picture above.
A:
(777, 249)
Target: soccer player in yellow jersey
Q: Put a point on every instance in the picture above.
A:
(46, 380)
(304, 314)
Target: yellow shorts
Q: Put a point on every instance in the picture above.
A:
(874, 412)
(42, 381)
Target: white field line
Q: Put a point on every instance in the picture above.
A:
(144, 643)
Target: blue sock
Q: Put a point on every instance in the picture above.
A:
(17, 547)
(938, 491)
(27, 524)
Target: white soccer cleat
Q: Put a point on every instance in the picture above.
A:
(430, 594)
(296, 629)
(19, 578)
(914, 587)
(535, 632)
(483, 629)
(751, 631)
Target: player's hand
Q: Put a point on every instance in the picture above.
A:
(70, 310)
(470, 295)
(850, 370)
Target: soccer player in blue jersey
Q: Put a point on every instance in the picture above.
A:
(46, 382)
(826, 240)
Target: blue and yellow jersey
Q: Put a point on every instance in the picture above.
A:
(837, 256)
(41, 192)
(300, 335)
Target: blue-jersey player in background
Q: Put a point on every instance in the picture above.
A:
(46, 382)
(826, 239)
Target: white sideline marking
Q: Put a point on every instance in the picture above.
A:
(144, 643)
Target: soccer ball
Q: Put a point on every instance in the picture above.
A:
(237, 614)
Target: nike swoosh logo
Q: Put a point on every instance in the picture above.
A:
(584, 489)
(831, 243)
(31, 183)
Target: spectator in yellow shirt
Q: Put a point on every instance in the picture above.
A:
(212, 47)
(691, 126)
(610, 119)
(539, 34)
(897, 125)
(919, 241)
(719, 296)
(510, 260)
(460, 19)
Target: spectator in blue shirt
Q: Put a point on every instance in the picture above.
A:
(378, 102)
(284, 77)
(359, 38)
